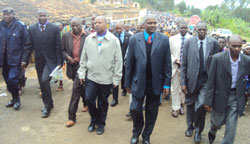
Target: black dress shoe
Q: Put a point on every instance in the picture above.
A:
(10, 104)
(17, 105)
(124, 93)
(189, 132)
(129, 115)
(197, 138)
(134, 140)
(211, 137)
(100, 131)
(45, 112)
(114, 103)
(91, 127)
(145, 141)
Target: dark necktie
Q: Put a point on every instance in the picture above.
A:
(149, 40)
(201, 58)
(182, 45)
(119, 36)
(42, 28)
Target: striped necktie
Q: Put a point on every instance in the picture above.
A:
(182, 45)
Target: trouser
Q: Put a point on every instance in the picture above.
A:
(115, 93)
(178, 96)
(44, 81)
(196, 112)
(10, 75)
(196, 119)
(229, 117)
(94, 90)
(77, 92)
(151, 112)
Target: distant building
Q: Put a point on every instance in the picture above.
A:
(115, 1)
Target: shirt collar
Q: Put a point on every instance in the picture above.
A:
(146, 35)
(204, 40)
(43, 24)
(232, 61)
(75, 36)
(102, 34)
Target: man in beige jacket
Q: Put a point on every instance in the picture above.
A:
(100, 70)
(176, 47)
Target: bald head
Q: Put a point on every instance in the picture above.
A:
(235, 38)
(76, 20)
(102, 18)
(148, 17)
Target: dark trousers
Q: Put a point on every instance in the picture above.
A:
(196, 119)
(94, 90)
(10, 75)
(77, 92)
(44, 79)
(151, 112)
(116, 90)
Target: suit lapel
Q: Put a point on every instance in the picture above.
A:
(71, 44)
(241, 68)
(196, 49)
(227, 63)
(208, 47)
(156, 42)
(142, 44)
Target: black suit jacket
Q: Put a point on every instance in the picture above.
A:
(47, 46)
(136, 63)
(220, 80)
(124, 45)
(67, 50)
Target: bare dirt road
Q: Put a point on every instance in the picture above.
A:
(27, 127)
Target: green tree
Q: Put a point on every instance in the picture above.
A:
(182, 7)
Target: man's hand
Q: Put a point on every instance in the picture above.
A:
(178, 62)
(208, 108)
(114, 86)
(82, 81)
(184, 89)
(128, 90)
(71, 60)
(23, 66)
(165, 92)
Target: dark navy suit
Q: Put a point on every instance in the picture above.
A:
(148, 69)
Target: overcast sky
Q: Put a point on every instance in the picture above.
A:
(202, 4)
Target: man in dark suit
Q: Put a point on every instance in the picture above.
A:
(44, 38)
(226, 86)
(147, 75)
(124, 40)
(13, 35)
(72, 44)
(196, 59)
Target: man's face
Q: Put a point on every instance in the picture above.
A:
(76, 27)
(150, 25)
(93, 20)
(222, 43)
(83, 22)
(247, 51)
(201, 30)
(100, 25)
(235, 46)
(172, 32)
(119, 28)
(183, 29)
(42, 18)
(8, 17)
(126, 28)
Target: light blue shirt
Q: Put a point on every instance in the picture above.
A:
(204, 46)
(234, 68)
(146, 35)
(43, 25)
(122, 35)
